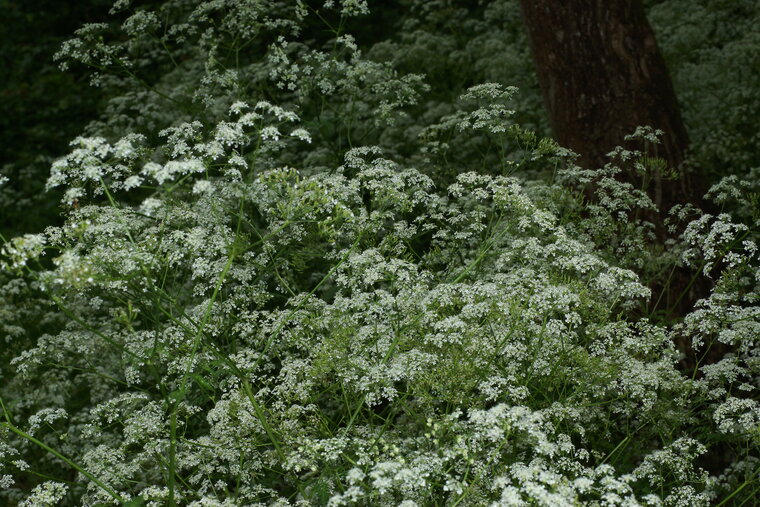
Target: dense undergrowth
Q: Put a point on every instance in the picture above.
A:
(291, 272)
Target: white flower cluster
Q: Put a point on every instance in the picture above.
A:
(253, 303)
(383, 333)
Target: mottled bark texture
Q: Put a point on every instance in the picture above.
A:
(602, 75)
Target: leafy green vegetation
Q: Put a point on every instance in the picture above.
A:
(324, 253)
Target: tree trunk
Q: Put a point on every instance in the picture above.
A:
(602, 75)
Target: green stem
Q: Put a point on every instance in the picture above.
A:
(57, 454)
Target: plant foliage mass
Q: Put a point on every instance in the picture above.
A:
(294, 269)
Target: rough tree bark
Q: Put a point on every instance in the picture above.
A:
(602, 75)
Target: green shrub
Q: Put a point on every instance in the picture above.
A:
(254, 301)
